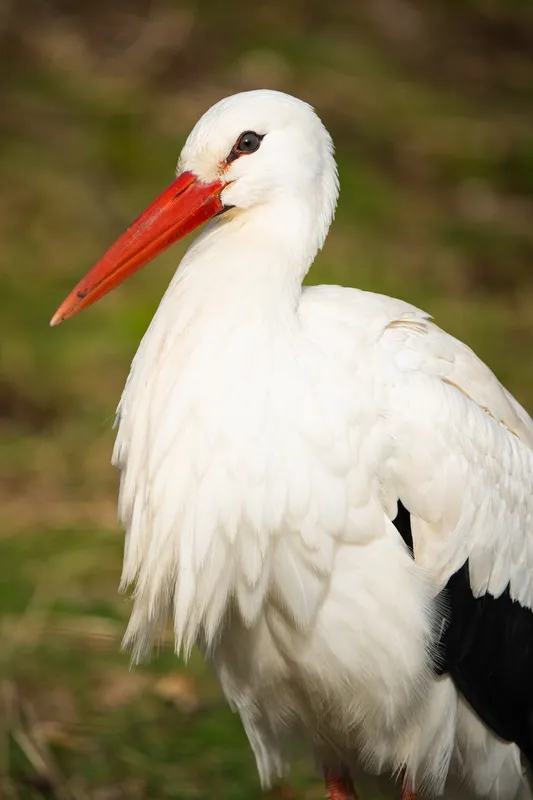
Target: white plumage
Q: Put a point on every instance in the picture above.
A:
(265, 436)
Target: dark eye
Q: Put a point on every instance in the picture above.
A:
(248, 142)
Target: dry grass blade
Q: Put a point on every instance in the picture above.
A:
(27, 733)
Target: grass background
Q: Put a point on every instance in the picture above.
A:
(431, 106)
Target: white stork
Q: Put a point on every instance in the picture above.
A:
(331, 496)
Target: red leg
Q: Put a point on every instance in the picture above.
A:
(339, 788)
(407, 793)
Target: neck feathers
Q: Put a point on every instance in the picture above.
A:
(191, 424)
(192, 411)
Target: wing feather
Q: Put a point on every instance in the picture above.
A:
(461, 459)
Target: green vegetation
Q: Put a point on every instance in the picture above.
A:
(431, 108)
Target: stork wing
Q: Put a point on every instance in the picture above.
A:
(461, 459)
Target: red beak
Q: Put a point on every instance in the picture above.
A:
(181, 208)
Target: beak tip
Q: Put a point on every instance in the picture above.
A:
(57, 319)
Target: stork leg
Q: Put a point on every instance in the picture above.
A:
(407, 792)
(339, 787)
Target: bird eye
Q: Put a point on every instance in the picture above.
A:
(248, 142)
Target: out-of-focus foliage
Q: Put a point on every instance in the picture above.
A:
(431, 105)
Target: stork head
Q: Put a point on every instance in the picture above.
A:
(251, 153)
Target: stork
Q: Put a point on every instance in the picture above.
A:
(330, 496)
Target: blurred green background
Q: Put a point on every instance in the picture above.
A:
(431, 105)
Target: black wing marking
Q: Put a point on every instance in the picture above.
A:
(487, 648)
